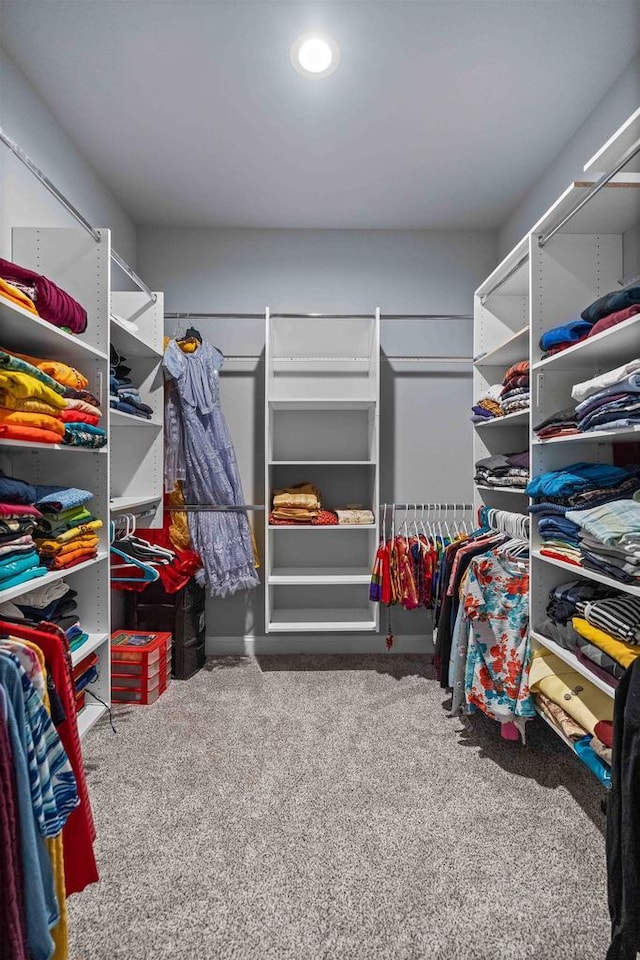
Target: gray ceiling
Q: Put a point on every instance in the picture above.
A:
(441, 114)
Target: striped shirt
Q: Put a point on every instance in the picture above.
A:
(611, 521)
(53, 786)
(617, 616)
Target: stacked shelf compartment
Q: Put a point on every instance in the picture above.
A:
(501, 338)
(73, 260)
(571, 265)
(322, 426)
(136, 331)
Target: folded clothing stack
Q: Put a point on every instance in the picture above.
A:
(569, 600)
(514, 395)
(42, 297)
(580, 709)
(585, 517)
(609, 538)
(610, 401)
(503, 470)
(355, 515)
(84, 673)
(299, 504)
(562, 423)
(123, 395)
(488, 406)
(606, 312)
(46, 401)
(53, 603)
(69, 532)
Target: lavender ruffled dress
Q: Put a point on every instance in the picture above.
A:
(200, 452)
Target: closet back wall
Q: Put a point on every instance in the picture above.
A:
(424, 408)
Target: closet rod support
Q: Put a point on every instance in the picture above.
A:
(501, 282)
(64, 201)
(596, 188)
(51, 187)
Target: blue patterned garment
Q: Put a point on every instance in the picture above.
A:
(53, 786)
(196, 420)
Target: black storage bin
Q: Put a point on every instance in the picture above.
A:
(181, 613)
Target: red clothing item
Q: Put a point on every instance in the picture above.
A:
(79, 833)
(54, 304)
(79, 416)
(19, 510)
(604, 732)
(19, 431)
(560, 556)
(613, 319)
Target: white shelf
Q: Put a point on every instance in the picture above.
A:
(510, 420)
(615, 209)
(511, 350)
(121, 419)
(614, 346)
(26, 333)
(89, 716)
(125, 504)
(626, 435)
(320, 575)
(589, 574)
(94, 641)
(131, 344)
(610, 154)
(70, 448)
(570, 658)
(322, 463)
(518, 282)
(49, 578)
(319, 403)
(568, 743)
(327, 526)
(483, 486)
(324, 620)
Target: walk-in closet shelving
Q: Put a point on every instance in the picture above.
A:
(322, 426)
(80, 265)
(562, 265)
(574, 260)
(136, 331)
(501, 338)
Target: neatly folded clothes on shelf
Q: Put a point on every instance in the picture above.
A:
(584, 702)
(123, 395)
(562, 423)
(298, 504)
(609, 401)
(355, 516)
(600, 315)
(510, 396)
(45, 298)
(503, 470)
(35, 406)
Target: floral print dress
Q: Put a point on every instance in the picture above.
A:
(495, 594)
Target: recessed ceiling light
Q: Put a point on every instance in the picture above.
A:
(315, 55)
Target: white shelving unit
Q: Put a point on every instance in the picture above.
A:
(549, 277)
(137, 331)
(500, 339)
(80, 265)
(322, 427)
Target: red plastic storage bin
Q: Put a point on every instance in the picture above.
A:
(140, 666)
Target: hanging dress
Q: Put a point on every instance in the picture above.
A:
(211, 475)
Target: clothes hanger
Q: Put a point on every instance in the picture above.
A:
(150, 574)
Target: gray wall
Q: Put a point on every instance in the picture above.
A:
(24, 202)
(424, 409)
(621, 100)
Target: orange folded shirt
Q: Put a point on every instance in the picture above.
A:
(71, 559)
(14, 431)
(24, 418)
(50, 549)
(17, 296)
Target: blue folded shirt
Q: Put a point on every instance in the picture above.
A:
(567, 333)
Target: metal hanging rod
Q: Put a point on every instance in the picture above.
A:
(429, 507)
(64, 201)
(385, 356)
(501, 282)
(590, 194)
(215, 507)
(322, 316)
